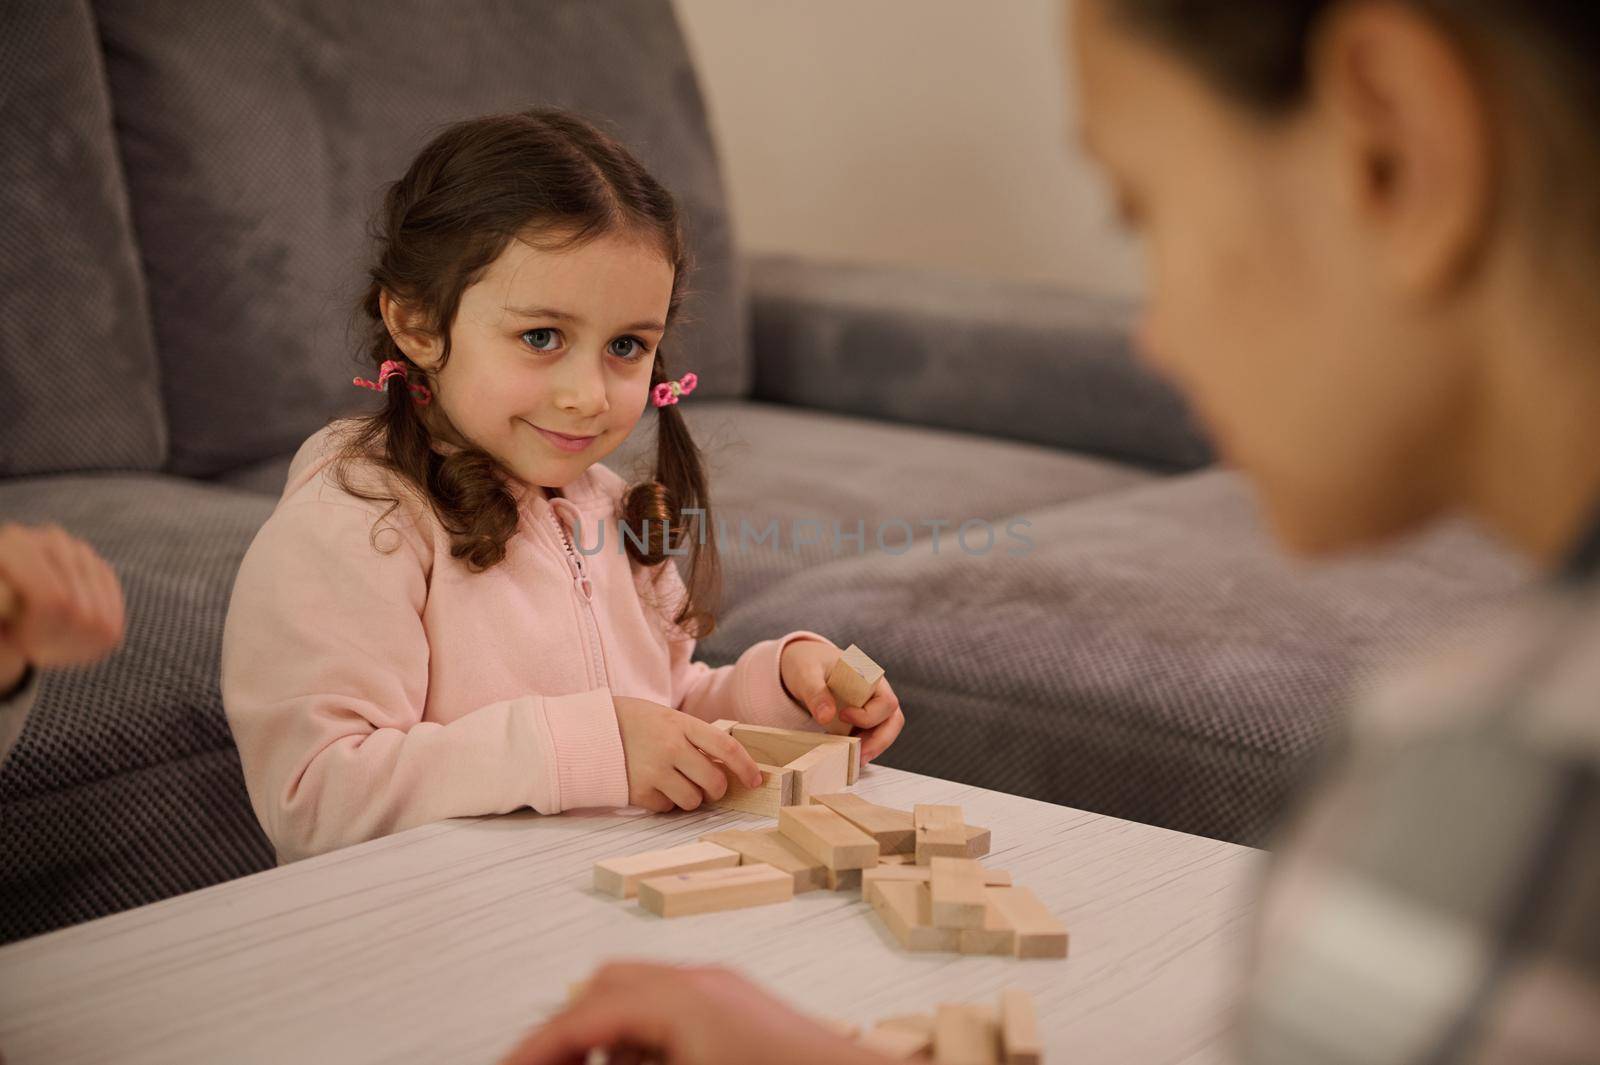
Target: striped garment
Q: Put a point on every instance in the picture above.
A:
(1437, 896)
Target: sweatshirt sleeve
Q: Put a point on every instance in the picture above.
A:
(325, 678)
(14, 711)
(749, 690)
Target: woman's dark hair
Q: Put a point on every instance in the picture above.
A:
(551, 178)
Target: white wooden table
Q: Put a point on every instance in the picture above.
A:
(444, 943)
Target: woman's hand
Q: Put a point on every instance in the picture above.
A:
(60, 603)
(684, 1016)
(804, 668)
(669, 756)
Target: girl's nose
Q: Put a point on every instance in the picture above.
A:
(580, 387)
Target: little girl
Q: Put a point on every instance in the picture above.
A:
(422, 629)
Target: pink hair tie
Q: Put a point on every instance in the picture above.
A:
(667, 392)
(396, 368)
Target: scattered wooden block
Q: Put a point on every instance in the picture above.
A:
(709, 890)
(965, 1035)
(828, 837)
(916, 1023)
(940, 832)
(1039, 933)
(977, 841)
(621, 876)
(897, 1043)
(995, 937)
(1019, 1028)
(823, 770)
(775, 849)
(906, 909)
(853, 677)
(921, 874)
(894, 830)
(843, 879)
(896, 859)
(957, 889)
(777, 790)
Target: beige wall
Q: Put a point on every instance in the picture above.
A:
(905, 131)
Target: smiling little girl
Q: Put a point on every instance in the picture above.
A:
(417, 632)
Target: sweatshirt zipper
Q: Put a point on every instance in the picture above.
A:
(585, 587)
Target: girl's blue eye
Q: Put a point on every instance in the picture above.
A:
(539, 338)
(631, 349)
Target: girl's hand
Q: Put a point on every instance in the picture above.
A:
(669, 756)
(60, 603)
(804, 668)
(684, 1016)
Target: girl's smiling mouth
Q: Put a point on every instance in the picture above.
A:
(563, 441)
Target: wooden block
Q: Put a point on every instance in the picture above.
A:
(828, 837)
(710, 890)
(897, 859)
(906, 909)
(921, 874)
(780, 746)
(1039, 934)
(995, 937)
(853, 677)
(894, 830)
(897, 1044)
(977, 841)
(940, 832)
(821, 771)
(956, 887)
(776, 791)
(1019, 1028)
(843, 879)
(775, 849)
(965, 1035)
(621, 876)
(916, 1023)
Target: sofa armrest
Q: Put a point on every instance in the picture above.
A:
(1024, 362)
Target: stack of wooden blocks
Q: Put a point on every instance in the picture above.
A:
(963, 1034)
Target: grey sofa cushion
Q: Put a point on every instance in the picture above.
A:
(78, 384)
(1002, 358)
(1153, 658)
(124, 786)
(257, 136)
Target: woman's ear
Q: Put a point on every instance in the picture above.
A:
(1416, 135)
(409, 333)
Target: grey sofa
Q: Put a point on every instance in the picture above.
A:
(181, 235)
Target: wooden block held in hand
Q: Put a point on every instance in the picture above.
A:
(965, 1035)
(853, 677)
(1039, 933)
(828, 837)
(775, 849)
(780, 746)
(710, 890)
(776, 791)
(906, 910)
(893, 829)
(940, 832)
(620, 876)
(956, 887)
(1019, 1028)
(821, 771)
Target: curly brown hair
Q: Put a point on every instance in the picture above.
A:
(553, 177)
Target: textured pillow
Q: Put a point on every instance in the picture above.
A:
(78, 382)
(257, 137)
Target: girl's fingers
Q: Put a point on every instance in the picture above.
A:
(703, 773)
(680, 789)
(656, 801)
(725, 749)
(876, 741)
(880, 707)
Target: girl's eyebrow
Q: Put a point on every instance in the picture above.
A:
(551, 312)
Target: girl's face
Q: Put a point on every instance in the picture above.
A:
(1271, 293)
(551, 353)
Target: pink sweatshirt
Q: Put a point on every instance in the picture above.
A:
(373, 690)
